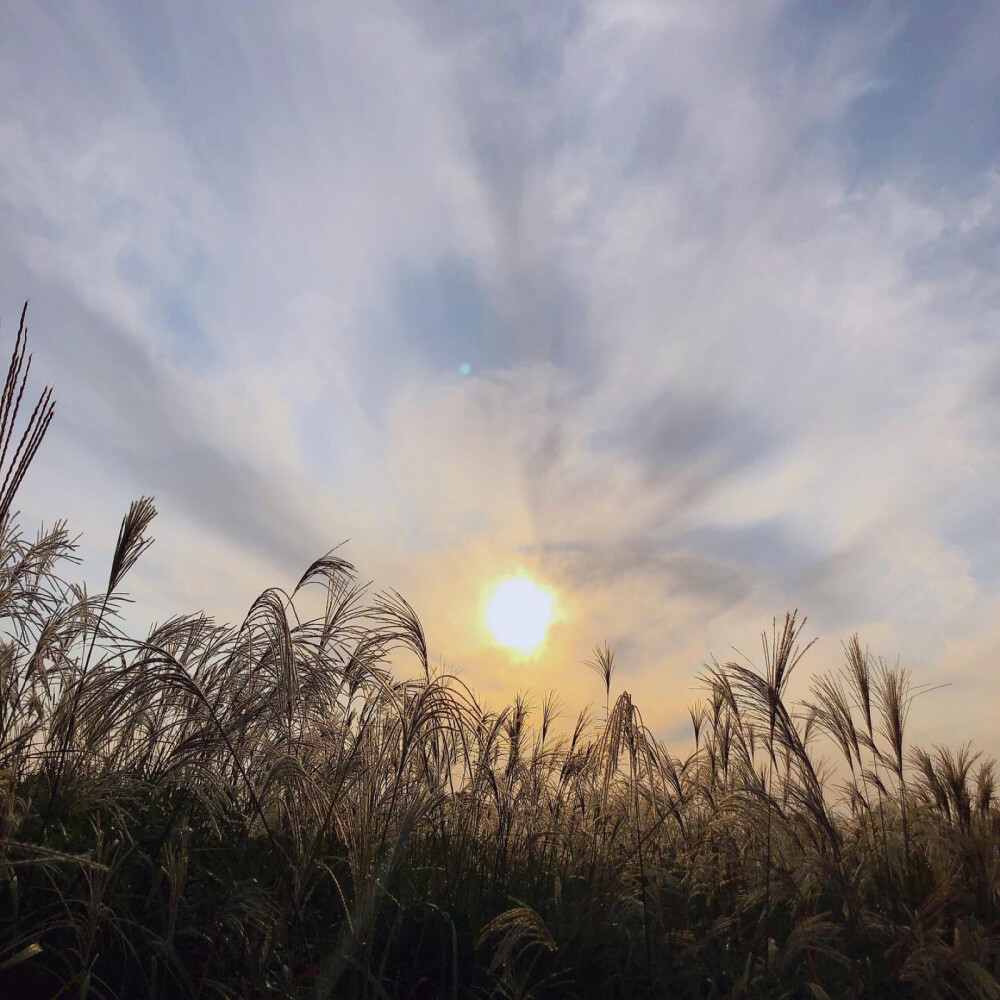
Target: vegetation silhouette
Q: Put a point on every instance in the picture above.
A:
(264, 810)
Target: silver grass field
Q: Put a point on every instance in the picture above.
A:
(264, 810)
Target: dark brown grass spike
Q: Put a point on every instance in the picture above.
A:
(132, 540)
(38, 424)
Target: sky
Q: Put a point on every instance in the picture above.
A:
(688, 310)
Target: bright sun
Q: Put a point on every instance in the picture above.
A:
(519, 613)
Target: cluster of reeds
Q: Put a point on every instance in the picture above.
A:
(266, 810)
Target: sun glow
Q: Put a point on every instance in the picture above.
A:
(519, 613)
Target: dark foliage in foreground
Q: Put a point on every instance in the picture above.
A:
(265, 811)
